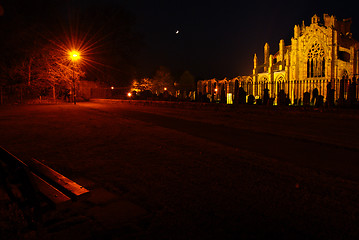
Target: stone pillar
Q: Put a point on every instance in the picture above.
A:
(270, 67)
(352, 59)
(296, 31)
(281, 54)
(255, 62)
(294, 71)
(315, 19)
(266, 57)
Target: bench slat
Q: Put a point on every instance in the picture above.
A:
(53, 185)
(47, 190)
(10, 159)
(58, 180)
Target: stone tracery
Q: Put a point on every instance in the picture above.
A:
(316, 61)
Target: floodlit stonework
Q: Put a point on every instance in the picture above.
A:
(323, 59)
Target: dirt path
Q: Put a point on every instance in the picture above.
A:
(200, 177)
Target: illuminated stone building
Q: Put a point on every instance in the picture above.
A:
(321, 56)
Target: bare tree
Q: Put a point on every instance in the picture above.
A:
(163, 80)
(58, 70)
(187, 82)
(142, 85)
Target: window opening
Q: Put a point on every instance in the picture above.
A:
(316, 62)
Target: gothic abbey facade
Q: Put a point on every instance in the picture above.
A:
(322, 60)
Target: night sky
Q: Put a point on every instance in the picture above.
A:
(215, 39)
(219, 38)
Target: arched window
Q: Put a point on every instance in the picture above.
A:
(249, 87)
(204, 91)
(316, 62)
(280, 83)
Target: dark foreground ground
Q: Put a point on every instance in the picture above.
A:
(189, 173)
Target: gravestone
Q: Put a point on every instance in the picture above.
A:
(241, 96)
(319, 101)
(270, 102)
(315, 95)
(281, 98)
(251, 99)
(330, 95)
(341, 99)
(266, 96)
(287, 101)
(352, 92)
(306, 99)
(223, 95)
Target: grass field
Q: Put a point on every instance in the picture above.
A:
(199, 173)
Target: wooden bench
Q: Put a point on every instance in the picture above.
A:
(34, 178)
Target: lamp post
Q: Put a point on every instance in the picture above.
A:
(74, 56)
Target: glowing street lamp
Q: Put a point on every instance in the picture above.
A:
(74, 56)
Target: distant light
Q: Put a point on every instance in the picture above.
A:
(165, 89)
(112, 88)
(129, 94)
(215, 89)
(177, 32)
